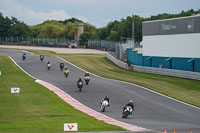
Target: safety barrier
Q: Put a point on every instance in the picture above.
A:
(117, 62)
(168, 72)
(153, 70)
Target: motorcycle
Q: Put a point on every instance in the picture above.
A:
(48, 65)
(41, 57)
(87, 79)
(127, 111)
(23, 56)
(66, 72)
(104, 104)
(62, 66)
(80, 85)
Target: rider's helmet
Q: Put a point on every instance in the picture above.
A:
(106, 97)
(131, 101)
(66, 67)
(86, 74)
(48, 62)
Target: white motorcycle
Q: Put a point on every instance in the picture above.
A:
(127, 111)
(87, 79)
(104, 104)
(48, 66)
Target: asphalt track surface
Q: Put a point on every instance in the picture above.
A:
(152, 111)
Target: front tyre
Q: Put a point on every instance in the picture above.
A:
(102, 108)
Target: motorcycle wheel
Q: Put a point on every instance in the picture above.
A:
(102, 108)
(125, 114)
(66, 75)
(80, 89)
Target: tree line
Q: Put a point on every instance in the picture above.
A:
(66, 29)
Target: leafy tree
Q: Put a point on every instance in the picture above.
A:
(87, 36)
(89, 28)
(69, 31)
(20, 29)
(50, 31)
(114, 36)
(72, 20)
(35, 31)
(5, 25)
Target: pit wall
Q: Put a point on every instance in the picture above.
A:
(176, 63)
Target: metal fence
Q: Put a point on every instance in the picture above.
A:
(115, 48)
(103, 45)
(37, 41)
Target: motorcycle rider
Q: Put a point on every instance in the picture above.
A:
(80, 80)
(107, 99)
(87, 74)
(129, 104)
(24, 56)
(48, 64)
(66, 71)
(61, 66)
(41, 57)
(87, 78)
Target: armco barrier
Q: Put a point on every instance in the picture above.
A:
(168, 72)
(153, 70)
(117, 62)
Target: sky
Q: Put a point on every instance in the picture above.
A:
(95, 12)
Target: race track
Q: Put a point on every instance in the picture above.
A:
(152, 111)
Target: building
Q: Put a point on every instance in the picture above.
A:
(170, 43)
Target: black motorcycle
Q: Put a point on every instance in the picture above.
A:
(41, 57)
(80, 84)
(127, 111)
(62, 66)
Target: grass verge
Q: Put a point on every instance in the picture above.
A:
(182, 89)
(36, 109)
